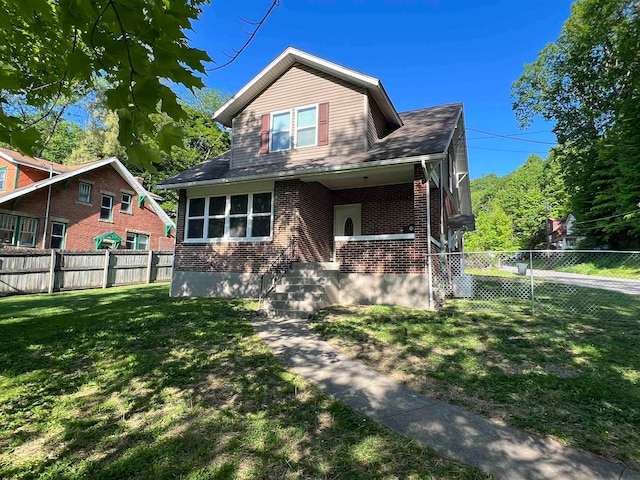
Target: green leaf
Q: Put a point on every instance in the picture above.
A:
(25, 141)
(170, 135)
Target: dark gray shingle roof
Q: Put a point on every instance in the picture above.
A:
(425, 131)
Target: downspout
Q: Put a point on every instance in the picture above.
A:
(427, 174)
(46, 215)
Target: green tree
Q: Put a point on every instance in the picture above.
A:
(54, 48)
(588, 83)
(493, 231)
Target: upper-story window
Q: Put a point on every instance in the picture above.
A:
(125, 204)
(84, 192)
(106, 208)
(304, 126)
(280, 133)
(3, 178)
(246, 216)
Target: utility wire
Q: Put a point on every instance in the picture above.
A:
(509, 151)
(510, 137)
(607, 218)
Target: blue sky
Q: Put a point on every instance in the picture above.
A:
(425, 52)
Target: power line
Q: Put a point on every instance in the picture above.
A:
(510, 137)
(607, 218)
(509, 151)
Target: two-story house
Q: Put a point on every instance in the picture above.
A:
(82, 207)
(323, 171)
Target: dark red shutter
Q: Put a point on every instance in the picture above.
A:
(323, 124)
(264, 134)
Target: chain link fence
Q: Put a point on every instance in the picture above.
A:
(550, 282)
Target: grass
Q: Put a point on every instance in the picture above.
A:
(128, 383)
(573, 378)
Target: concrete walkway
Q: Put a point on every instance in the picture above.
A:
(451, 431)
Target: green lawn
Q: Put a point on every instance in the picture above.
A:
(573, 378)
(127, 383)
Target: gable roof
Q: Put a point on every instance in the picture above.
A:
(425, 135)
(87, 167)
(286, 60)
(33, 162)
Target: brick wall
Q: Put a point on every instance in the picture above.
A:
(379, 256)
(316, 223)
(386, 209)
(83, 223)
(245, 257)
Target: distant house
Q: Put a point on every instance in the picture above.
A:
(327, 183)
(82, 207)
(562, 234)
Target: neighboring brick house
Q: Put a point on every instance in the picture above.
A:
(322, 162)
(83, 207)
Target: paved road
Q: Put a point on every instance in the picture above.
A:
(622, 285)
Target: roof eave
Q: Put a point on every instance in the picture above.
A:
(433, 157)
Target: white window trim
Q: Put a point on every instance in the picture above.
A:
(130, 209)
(227, 216)
(110, 219)
(64, 234)
(316, 126)
(291, 136)
(80, 184)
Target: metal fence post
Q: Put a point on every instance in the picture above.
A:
(533, 301)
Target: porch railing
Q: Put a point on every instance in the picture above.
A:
(281, 265)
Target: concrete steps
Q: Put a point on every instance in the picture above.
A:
(305, 288)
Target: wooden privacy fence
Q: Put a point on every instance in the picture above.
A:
(38, 271)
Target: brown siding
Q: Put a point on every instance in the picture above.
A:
(300, 86)
(377, 126)
(385, 209)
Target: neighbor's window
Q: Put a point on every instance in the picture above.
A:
(58, 234)
(106, 207)
(3, 178)
(235, 217)
(7, 228)
(137, 241)
(306, 126)
(280, 134)
(125, 203)
(28, 232)
(84, 192)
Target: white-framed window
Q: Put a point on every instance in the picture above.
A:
(3, 178)
(84, 192)
(106, 207)
(125, 202)
(247, 216)
(306, 126)
(280, 132)
(58, 235)
(137, 241)
(8, 225)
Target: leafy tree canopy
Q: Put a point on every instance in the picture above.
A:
(53, 49)
(588, 84)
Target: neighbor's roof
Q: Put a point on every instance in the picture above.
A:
(33, 162)
(426, 132)
(87, 167)
(284, 62)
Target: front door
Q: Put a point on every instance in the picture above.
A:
(347, 220)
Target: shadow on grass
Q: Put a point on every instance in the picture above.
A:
(130, 383)
(573, 377)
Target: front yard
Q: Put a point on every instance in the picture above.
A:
(127, 383)
(573, 378)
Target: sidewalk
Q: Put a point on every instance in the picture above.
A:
(451, 431)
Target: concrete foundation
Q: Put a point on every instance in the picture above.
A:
(215, 284)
